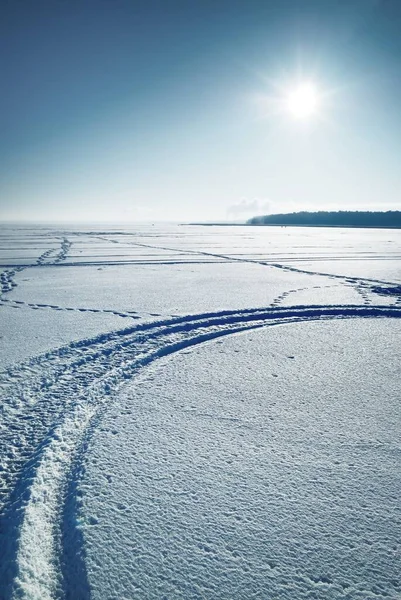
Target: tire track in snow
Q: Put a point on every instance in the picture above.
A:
(53, 402)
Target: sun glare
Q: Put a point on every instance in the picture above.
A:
(303, 101)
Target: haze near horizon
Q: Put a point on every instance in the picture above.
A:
(131, 111)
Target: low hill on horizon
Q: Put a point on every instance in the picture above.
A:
(341, 218)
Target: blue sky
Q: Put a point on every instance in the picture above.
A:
(124, 110)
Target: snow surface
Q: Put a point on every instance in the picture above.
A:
(199, 412)
(263, 465)
(28, 331)
(183, 288)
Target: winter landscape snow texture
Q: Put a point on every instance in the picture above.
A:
(200, 413)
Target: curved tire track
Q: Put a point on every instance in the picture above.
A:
(53, 402)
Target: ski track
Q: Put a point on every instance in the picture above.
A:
(53, 402)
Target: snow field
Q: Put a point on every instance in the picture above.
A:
(265, 464)
(218, 406)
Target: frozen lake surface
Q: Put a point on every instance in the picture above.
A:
(200, 412)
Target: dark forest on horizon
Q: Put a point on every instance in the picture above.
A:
(341, 218)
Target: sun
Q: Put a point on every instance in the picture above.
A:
(303, 101)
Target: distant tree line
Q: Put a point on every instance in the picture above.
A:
(341, 218)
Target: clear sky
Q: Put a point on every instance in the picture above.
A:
(145, 110)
